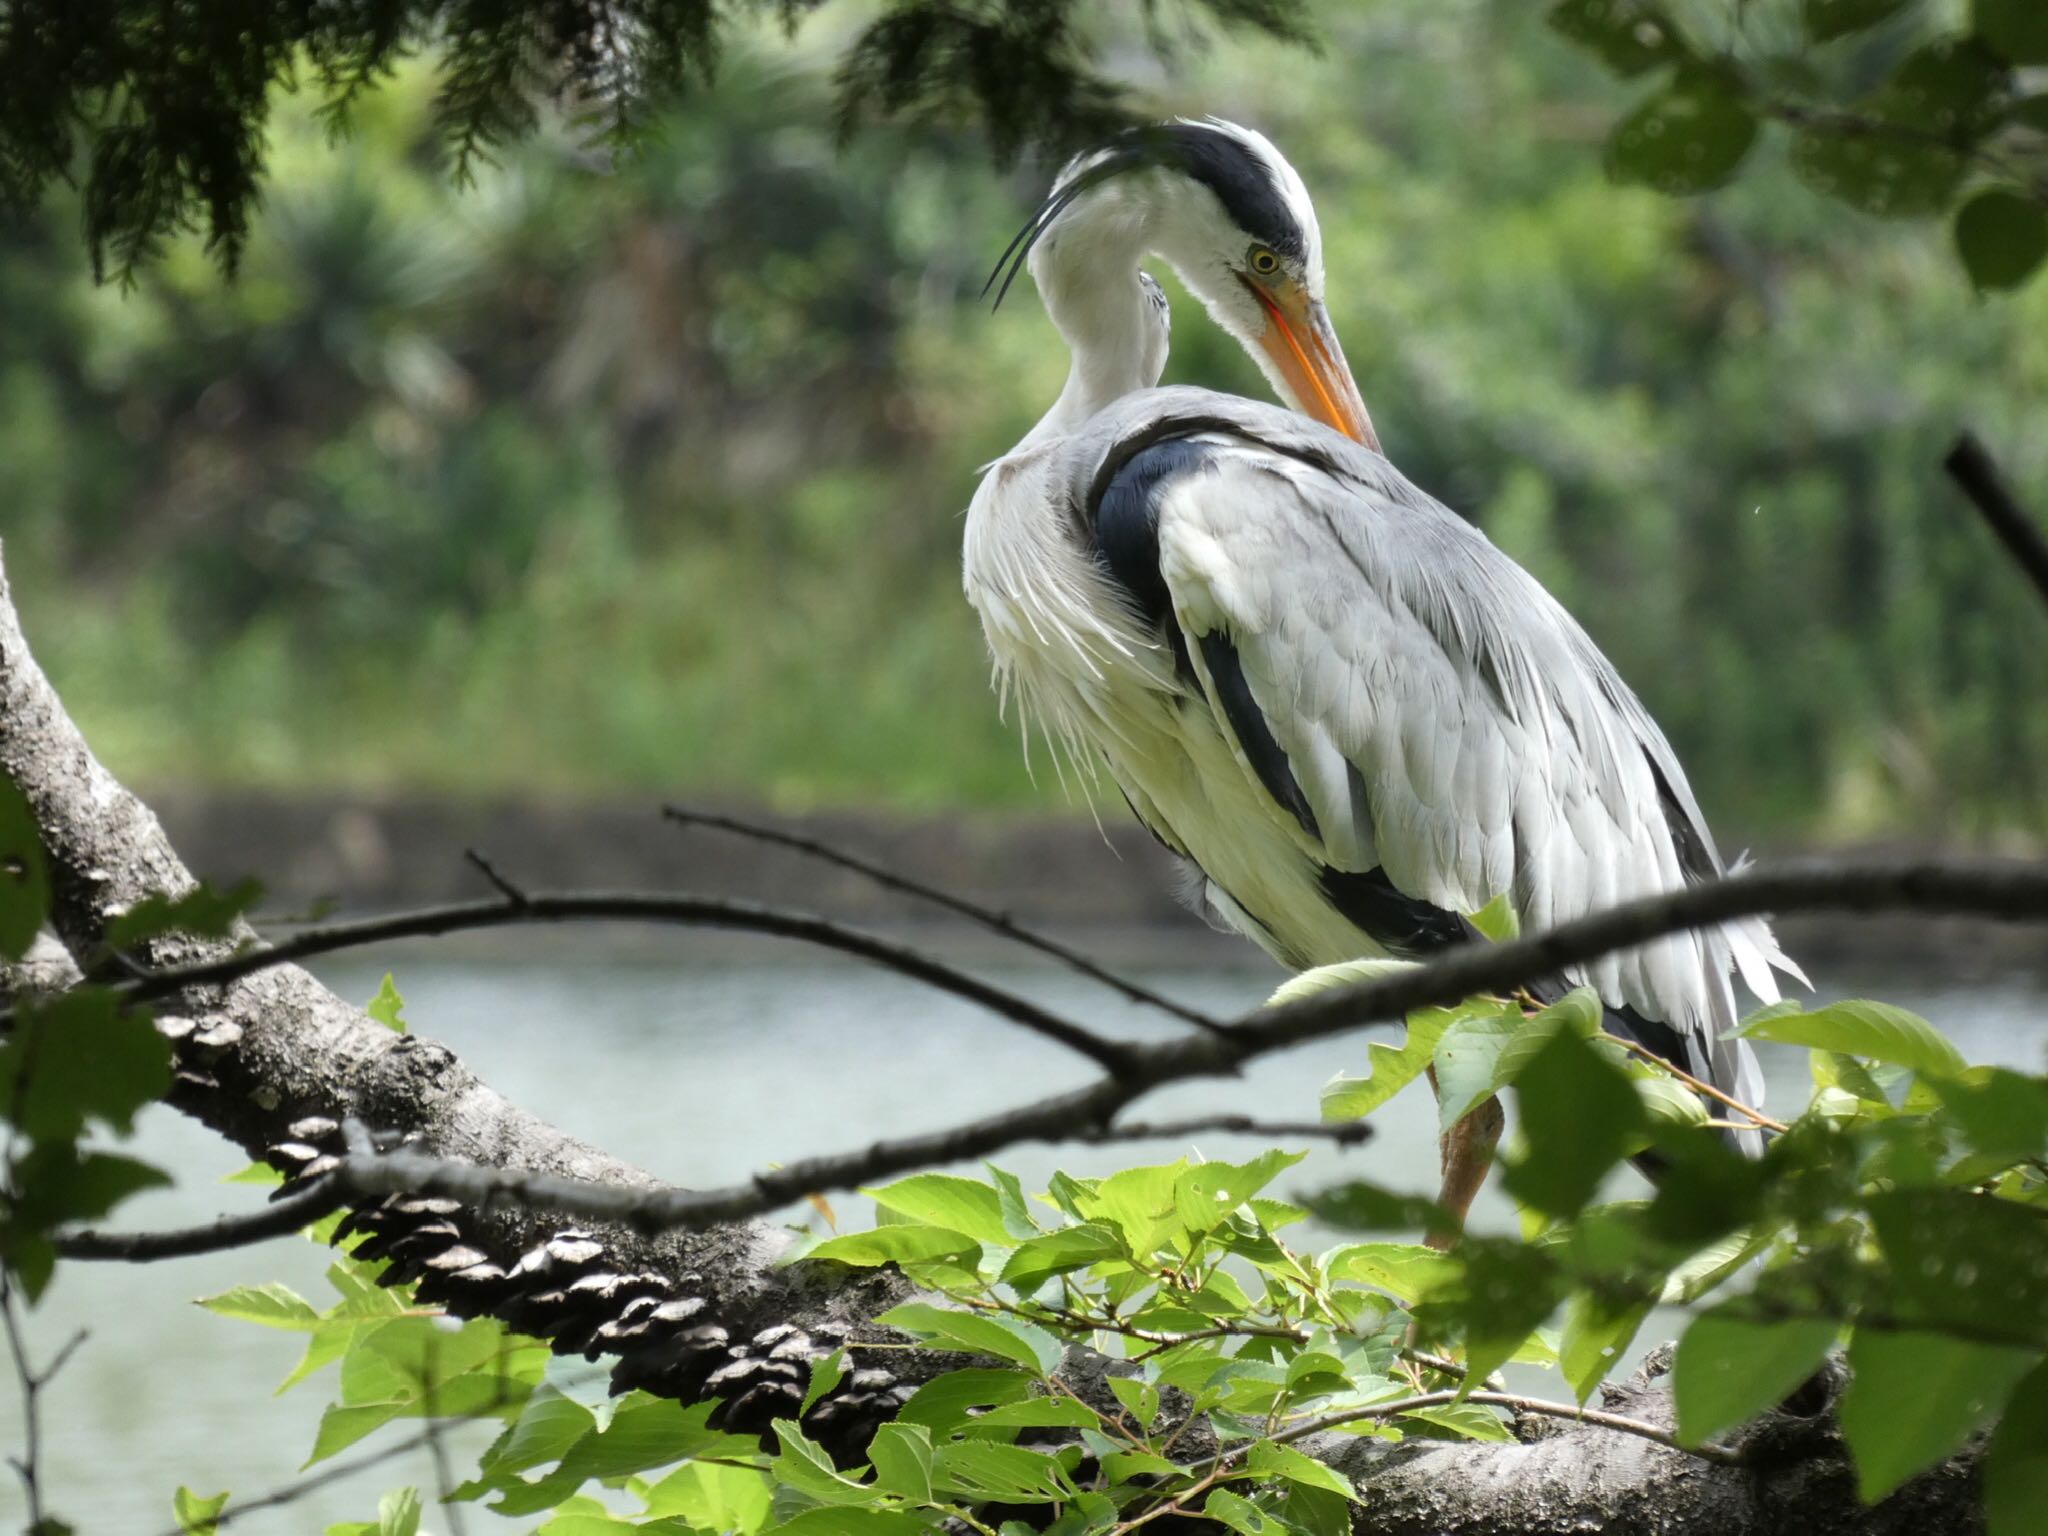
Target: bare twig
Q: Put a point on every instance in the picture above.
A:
(2005, 889)
(28, 1465)
(640, 907)
(1699, 1085)
(281, 1218)
(996, 922)
(1972, 468)
(1344, 1133)
(291, 1493)
(490, 872)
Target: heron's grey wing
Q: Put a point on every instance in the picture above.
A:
(1419, 705)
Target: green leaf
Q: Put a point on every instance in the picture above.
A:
(1965, 1261)
(902, 1243)
(1207, 1193)
(2002, 238)
(1629, 36)
(1468, 1056)
(1362, 1207)
(1465, 1421)
(77, 1058)
(1039, 1413)
(398, 1513)
(825, 1375)
(1876, 1031)
(342, 1426)
(850, 1521)
(272, 1306)
(1240, 1514)
(981, 1469)
(202, 912)
(1290, 1465)
(947, 1402)
(2017, 29)
(1731, 1368)
(902, 1457)
(1140, 1399)
(24, 873)
(1890, 178)
(1915, 1398)
(1690, 137)
(1405, 1270)
(1580, 1116)
(1389, 1068)
(2016, 1465)
(1139, 1202)
(1017, 1218)
(59, 1183)
(976, 1333)
(1496, 1293)
(198, 1516)
(1038, 1259)
(387, 1007)
(804, 1465)
(1826, 19)
(1597, 1333)
(1344, 973)
(2003, 1115)
(946, 1200)
(709, 1497)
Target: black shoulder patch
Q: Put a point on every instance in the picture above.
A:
(1400, 924)
(1125, 529)
(1254, 736)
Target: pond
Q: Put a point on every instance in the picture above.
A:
(702, 1067)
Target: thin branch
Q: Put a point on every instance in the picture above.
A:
(28, 1465)
(1700, 1085)
(1972, 468)
(279, 1219)
(291, 1493)
(2005, 889)
(1513, 1401)
(1343, 1133)
(630, 906)
(997, 922)
(490, 872)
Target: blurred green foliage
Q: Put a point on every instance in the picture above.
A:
(651, 480)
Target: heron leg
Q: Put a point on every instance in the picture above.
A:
(1467, 1155)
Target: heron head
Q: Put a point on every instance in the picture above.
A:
(1227, 212)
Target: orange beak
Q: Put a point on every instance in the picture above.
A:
(1303, 346)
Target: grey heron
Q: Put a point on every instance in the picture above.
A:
(1355, 720)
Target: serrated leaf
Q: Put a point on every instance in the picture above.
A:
(974, 1333)
(1690, 137)
(1038, 1259)
(1240, 1514)
(1914, 1398)
(946, 1200)
(902, 1458)
(1875, 1031)
(387, 1007)
(2002, 238)
(1467, 1058)
(1017, 1218)
(805, 1465)
(710, 1497)
(900, 1243)
(1284, 1462)
(1040, 1413)
(1404, 1270)
(1389, 1068)
(1207, 1193)
(947, 1402)
(198, 1516)
(271, 1306)
(1140, 1399)
(826, 1374)
(1466, 1421)
(341, 1426)
(1730, 1368)
(1324, 978)
(981, 1469)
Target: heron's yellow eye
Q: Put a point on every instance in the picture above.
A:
(1263, 261)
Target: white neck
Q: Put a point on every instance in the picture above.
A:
(1086, 271)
